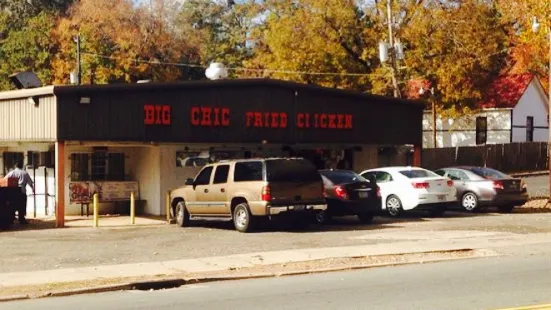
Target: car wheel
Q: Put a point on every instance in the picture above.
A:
(365, 218)
(242, 218)
(394, 206)
(323, 217)
(506, 209)
(469, 202)
(182, 215)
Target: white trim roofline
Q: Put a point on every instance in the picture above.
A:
(25, 93)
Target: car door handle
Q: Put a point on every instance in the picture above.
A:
(222, 190)
(206, 190)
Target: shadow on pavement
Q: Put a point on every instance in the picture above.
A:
(34, 224)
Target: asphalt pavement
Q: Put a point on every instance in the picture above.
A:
(489, 283)
(538, 186)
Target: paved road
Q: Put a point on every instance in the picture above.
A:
(488, 283)
(538, 186)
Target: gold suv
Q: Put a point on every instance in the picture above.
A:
(247, 190)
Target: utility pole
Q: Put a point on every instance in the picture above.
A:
(392, 49)
(79, 63)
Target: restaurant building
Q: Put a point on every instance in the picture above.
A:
(148, 138)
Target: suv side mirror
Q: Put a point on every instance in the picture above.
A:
(189, 182)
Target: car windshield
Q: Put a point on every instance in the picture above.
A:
(489, 174)
(342, 177)
(418, 173)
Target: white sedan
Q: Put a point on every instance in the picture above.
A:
(408, 188)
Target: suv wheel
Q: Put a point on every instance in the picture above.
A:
(242, 218)
(182, 216)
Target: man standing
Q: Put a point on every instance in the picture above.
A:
(24, 179)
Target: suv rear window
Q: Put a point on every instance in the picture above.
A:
(291, 170)
(248, 171)
(418, 173)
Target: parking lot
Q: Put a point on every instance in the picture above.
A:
(38, 249)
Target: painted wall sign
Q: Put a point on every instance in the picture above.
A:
(220, 117)
(156, 114)
(210, 117)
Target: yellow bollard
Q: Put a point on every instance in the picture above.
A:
(168, 207)
(132, 209)
(96, 211)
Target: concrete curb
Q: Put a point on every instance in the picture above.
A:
(14, 298)
(529, 174)
(177, 282)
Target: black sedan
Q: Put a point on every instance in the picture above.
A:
(478, 187)
(348, 193)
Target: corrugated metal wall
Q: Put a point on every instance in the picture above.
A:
(21, 120)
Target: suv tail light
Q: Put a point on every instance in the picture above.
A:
(323, 190)
(450, 183)
(420, 185)
(266, 193)
(341, 192)
(378, 192)
(498, 185)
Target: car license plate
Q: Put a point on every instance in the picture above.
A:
(300, 208)
(363, 194)
(441, 197)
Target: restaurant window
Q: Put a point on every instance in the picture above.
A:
(530, 129)
(115, 166)
(10, 158)
(481, 130)
(98, 166)
(79, 167)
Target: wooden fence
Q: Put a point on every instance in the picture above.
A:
(511, 157)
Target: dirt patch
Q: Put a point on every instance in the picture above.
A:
(535, 206)
(326, 265)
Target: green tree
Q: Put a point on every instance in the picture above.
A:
(120, 43)
(27, 49)
(220, 29)
(20, 11)
(317, 36)
(459, 48)
(529, 51)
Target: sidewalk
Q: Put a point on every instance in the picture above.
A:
(490, 241)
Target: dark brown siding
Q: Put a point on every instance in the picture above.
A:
(117, 114)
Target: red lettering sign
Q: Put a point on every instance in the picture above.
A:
(325, 121)
(266, 119)
(156, 114)
(210, 117)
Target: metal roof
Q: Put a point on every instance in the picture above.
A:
(89, 90)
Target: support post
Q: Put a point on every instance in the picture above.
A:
(132, 209)
(417, 156)
(167, 205)
(434, 143)
(60, 184)
(392, 49)
(96, 211)
(549, 118)
(79, 61)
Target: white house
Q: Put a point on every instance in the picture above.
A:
(515, 109)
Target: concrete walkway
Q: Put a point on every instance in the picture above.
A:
(454, 241)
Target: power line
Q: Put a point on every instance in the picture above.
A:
(292, 72)
(154, 62)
